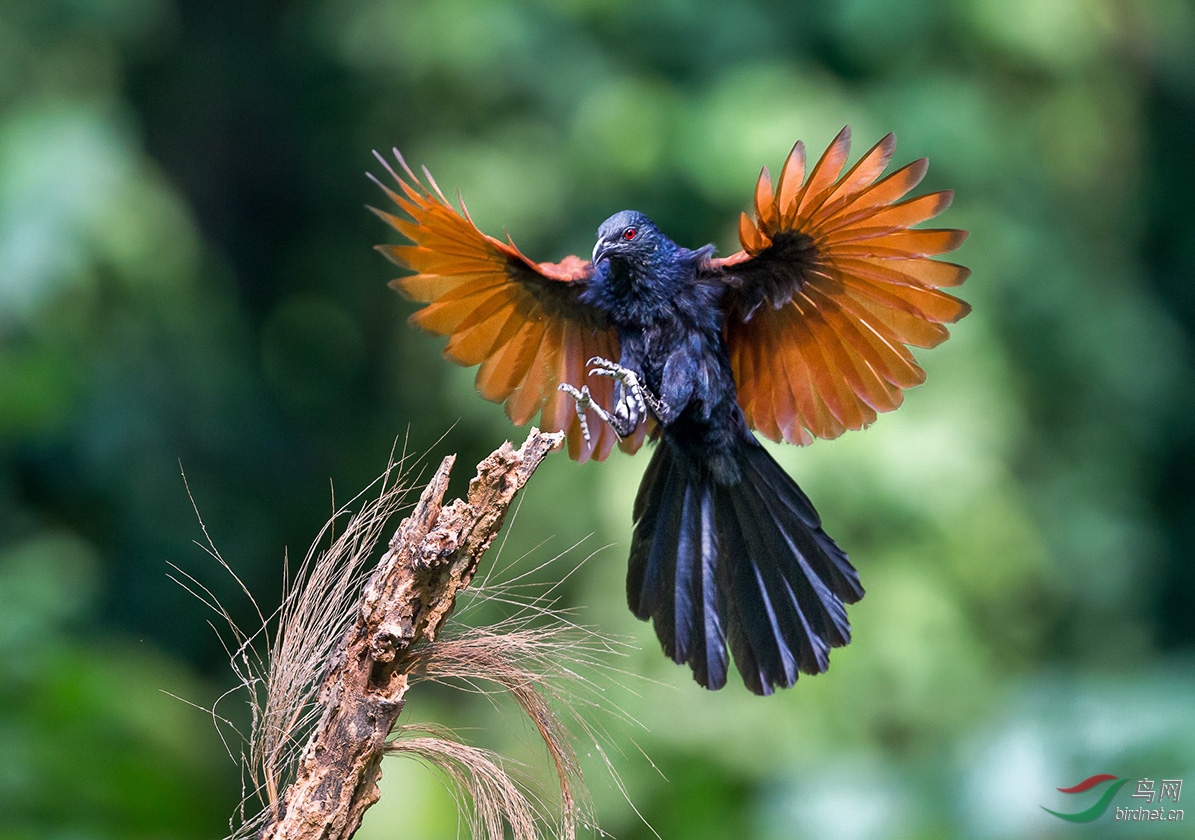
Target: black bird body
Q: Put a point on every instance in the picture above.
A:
(726, 547)
(801, 334)
(667, 310)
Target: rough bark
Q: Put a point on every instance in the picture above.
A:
(432, 556)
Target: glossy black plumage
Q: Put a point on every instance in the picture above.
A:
(727, 550)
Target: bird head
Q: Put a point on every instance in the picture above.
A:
(627, 237)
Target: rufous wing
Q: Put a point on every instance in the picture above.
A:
(520, 321)
(832, 287)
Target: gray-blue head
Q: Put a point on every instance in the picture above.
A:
(628, 236)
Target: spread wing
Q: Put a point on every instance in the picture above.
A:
(521, 321)
(831, 287)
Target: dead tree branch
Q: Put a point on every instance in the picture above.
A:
(433, 555)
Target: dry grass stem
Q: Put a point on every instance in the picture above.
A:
(326, 693)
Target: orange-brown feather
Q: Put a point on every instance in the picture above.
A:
(837, 353)
(527, 375)
(842, 405)
(484, 295)
(869, 386)
(791, 177)
(852, 388)
(501, 374)
(862, 174)
(822, 177)
(765, 199)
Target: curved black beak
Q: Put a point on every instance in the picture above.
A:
(601, 251)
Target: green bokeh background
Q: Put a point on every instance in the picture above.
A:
(186, 277)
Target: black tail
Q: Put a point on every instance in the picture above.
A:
(740, 561)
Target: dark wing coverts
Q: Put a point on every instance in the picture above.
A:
(519, 320)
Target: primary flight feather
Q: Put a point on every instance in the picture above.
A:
(803, 333)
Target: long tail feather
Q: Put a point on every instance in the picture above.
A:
(738, 564)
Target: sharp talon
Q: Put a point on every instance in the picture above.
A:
(584, 403)
(582, 397)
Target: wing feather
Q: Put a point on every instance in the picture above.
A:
(823, 176)
(863, 173)
(773, 393)
(474, 345)
(911, 212)
(930, 305)
(900, 245)
(870, 360)
(784, 394)
(800, 364)
(898, 365)
(845, 391)
(887, 190)
(503, 372)
(791, 176)
(521, 322)
(832, 287)
(830, 383)
(528, 372)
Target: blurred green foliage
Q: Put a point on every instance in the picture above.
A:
(186, 278)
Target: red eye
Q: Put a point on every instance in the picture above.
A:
(629, 234)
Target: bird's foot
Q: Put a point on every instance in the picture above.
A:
(643, 398)
(585, 402)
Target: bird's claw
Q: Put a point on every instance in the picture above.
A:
(584, 402)
(632, 404)
(630, 381)
(603, 362)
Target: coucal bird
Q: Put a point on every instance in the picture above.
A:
(801, 334)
